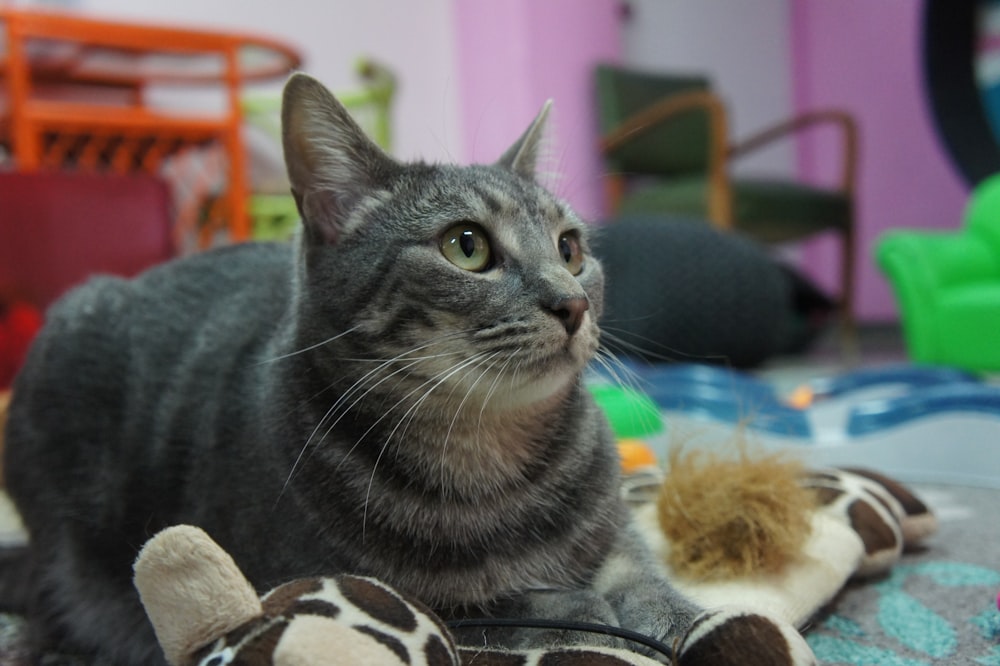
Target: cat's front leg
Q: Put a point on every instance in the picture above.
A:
(647, 603)
(640, 596)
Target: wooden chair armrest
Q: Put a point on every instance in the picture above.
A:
(842, 119)
(648, 118)
(641, 122)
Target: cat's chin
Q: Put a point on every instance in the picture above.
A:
(548, 383)
(538, 392)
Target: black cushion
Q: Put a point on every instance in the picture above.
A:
(679, 289)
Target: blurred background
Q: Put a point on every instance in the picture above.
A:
(466, 76)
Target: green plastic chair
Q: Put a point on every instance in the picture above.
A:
(947, 285)
(274, 216)
(666, 149)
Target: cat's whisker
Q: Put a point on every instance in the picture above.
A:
(310, 347)
(619, 372)
(625, 377)
(440, 339)
(410, 414)
(384, 363)
(441, 378)
(461, 405)
(331, 411)
(494, 386)
(669, 354)
(356, 386)
(469, 391)
(351, 391)
(436, 380)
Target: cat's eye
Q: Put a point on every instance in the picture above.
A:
(467, 246)
(571, 252)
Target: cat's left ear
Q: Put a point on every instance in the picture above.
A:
(332, 164)
(522, 157)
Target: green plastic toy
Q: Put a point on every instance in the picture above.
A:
(275, 216)
(947, 285)
(632, 415)
(637, 423)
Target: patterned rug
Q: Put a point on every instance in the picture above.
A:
(937, 606)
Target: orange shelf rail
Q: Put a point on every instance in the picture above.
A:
(74, 95)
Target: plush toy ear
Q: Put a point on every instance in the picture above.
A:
(192, 591)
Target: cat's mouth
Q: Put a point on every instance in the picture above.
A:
(546, 371)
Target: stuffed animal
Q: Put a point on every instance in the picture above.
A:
(763, 532)
(205, 613)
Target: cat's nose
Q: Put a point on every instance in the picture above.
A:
(570, 312)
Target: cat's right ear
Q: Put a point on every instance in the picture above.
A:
(522, 157)
(331, 163)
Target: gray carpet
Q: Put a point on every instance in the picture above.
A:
(937, 606)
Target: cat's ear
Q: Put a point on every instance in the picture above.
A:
(522, 157)
(331, 163)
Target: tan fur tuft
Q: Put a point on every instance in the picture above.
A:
(733, 517)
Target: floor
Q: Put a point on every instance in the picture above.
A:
(877, 344)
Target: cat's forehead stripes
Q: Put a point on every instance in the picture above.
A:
(495, 202)
(519, 201)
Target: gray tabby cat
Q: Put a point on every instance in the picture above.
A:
(397, 394)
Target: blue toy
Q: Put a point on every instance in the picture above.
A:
(917, 423)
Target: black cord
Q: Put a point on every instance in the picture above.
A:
(565, 625)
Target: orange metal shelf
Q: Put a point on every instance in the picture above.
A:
(58, 70)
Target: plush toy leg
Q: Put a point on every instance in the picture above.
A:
(884, 514)
(739, 637)
(916, 520)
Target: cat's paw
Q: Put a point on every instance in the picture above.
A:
(736, 636)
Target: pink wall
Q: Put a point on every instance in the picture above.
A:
(865, 57)
(514, 55)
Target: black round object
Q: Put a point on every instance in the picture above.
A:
(949, 38)
(681, 290)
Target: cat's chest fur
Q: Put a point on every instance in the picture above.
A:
(459, 504)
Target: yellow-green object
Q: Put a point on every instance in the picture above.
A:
(947, 285)
(632, 415)
(274, 216)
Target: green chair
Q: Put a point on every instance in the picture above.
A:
(274, 216)
(947, 285)
(666, 149)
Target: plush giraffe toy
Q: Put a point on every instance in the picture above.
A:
(205, 612)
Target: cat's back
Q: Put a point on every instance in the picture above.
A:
(177, 308)
(125, 362)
